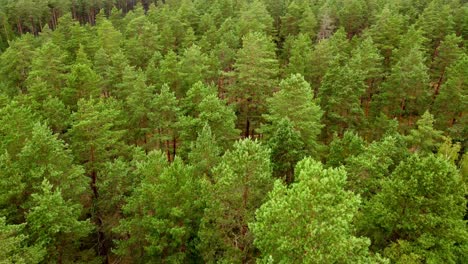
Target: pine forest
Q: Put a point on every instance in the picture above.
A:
(234, 131)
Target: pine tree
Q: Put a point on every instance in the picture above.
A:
(295, 102)
(241, 182)
(367, 168)
(418, 215)
(287, 148)
(117, 69)
(152, 70)
(82, 82)
(204, 153)
(169, 72)
(162, 216)
(451, 103)
(300, 56)
(447, 53)
(95, 139)
(405, 92)
(44, 156)
(308, 24)
(353, 15)
(165, 121)
(342, 148)
(367, 60)
(109, 38)
(102, 66)
(48, 66)
(290, 22)
(340, 93)
(256, 68)
(320, 60)
(54, 224)
(192, 68)
(141, 41)
(254, 17)
(387, 31)
(221, 119)
(320, 212)
(425, 139)
(14, 245)
(15, 64)
(138, 104)
(436, 22)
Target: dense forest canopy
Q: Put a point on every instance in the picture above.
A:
(233, 131)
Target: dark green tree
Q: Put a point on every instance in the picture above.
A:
(256, 71)
(418, 215)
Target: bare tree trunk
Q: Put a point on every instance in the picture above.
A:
(20, 27)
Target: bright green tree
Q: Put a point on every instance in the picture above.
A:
(295, 102)
(300, 56)
(193, 67)
(15, 64)
(108, 37)
(48, 66)
(311, 221)
(82, 82)
(14, 245)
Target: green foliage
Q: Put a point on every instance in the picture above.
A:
(14, 248)
(341, 148)
(256, 69)
(295, 102)
(241, 181)
(340, 93)
(287, 148)
(320, 212)
(425, 138)
(162, 214)
(204, 153)
(96, 133)
(449, 105)
(406, 90)
(15, 64)
(387, 30)
(254, 17)
(158, 128)
(418, 215)
(54, 224)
